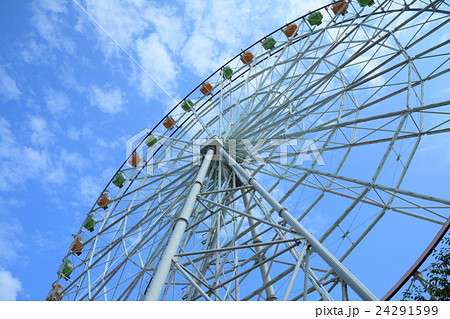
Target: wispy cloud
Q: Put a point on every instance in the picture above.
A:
(201, 54)
(40, 133)
(109, 99)
(49, 33)
(41, 163)
(89, 189)
(69, 80)
(73, 160)
(12, 253)
(8, 87)
(56, 6)
(48, 23)
(197, 35)
(218, 31)
(123, 21)
(32, 51)
(155, 58)
(168, 25)
(10, 243)
(10, 286)
(57, 102)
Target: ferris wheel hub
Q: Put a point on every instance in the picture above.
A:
(215, 144)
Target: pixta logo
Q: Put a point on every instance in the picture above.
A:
(287, 151)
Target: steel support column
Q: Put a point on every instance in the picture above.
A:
(270, 294)
(164, 265)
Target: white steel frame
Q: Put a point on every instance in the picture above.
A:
(360, 87)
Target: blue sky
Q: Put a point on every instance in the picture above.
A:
(70, 98)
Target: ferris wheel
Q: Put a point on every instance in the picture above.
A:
(288, 174)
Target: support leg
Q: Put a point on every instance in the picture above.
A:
(164, 265)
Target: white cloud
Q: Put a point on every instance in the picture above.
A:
(73, 160)
(73, 132)
(315, 222)
(33, 51)
(48, 23)
(168, 26)
(40, 134)
(57, 102)
(156, 59)
(122, 21)
(68, 78)
(10, 154)
(6, 138)
(201, 54)
(8, 87)
(44, 241)
(218, 31)
(89, 189)
(56, 6)
(21, 163)
(108, 99)
(36, 160)
(9, 286)
(57, 175)
(101, 142)
(200, 36)
(10, 244)
(10, 202)
(129, 23)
